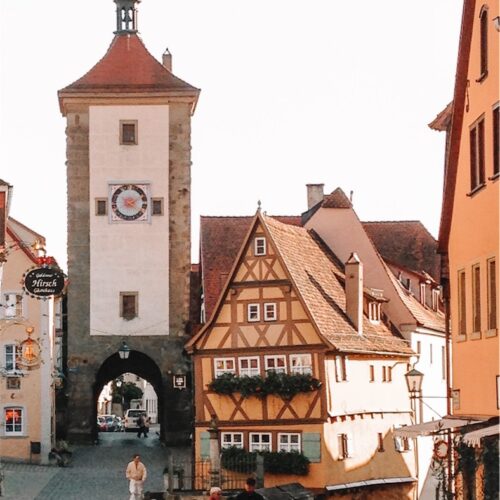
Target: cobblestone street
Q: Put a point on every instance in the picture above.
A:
(96, 472)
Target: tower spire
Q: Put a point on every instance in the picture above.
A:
(126, 16)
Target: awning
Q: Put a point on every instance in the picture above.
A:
(370, 482)
(474, 438)
(434, 427)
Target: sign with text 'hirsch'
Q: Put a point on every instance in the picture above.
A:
(44, 282)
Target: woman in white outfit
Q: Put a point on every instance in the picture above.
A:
(136, 473)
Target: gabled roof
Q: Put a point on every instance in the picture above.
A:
(315, 275)
(220, 241)
(442, 121)
(451, 162)
(407, 243)
(336, 199)
(128, 67)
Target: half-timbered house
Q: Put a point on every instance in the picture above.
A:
(290, 306)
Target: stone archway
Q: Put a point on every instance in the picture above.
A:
(137, 363)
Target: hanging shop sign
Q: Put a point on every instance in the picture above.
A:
(28, 352)
(179, 381)
(44, 282)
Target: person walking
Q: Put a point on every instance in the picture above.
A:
(249, 492)
(141, 424)
(147, 423)
(136, 473)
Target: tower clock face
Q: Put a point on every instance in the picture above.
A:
(129, 202)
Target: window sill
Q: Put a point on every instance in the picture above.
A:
(494, 177)
(475, 335)
(478, 188)
(14, 436)
(491, 333)
(461, 338)
(482, 77)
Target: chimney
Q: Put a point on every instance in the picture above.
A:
(354, 291)
(167, 60)
(314, 194)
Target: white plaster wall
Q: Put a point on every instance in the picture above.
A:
(359, 395)
(343, 232)
(134, 256)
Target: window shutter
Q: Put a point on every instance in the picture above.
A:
(311, 446)
(205, 445)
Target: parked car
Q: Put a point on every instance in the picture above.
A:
(131, 417)
(120, 426)
(106, 423)
(101, 424)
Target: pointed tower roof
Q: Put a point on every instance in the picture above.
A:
(128, 69)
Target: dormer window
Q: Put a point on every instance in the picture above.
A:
(435, 298)
(422, 293)
(374, 312)
(260, 246)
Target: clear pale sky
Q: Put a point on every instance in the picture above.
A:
(292, 92)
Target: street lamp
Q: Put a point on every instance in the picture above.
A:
(414, 381)
(124, 350)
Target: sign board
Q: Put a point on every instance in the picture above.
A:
(179, 381)
(44, 282)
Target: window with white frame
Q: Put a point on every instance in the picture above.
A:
(374, 312)
(11, 351)
(249, 366)
(275, 363)
(12, 305)
(260, 441)
(260, 246)
(300, 363)
(436, 293)
(232, 439)
(345, 446)
(402, 443)
(341, 368)
(14, 420)
(270, 311)
(224, 365)
(288, 441)
(253, 312)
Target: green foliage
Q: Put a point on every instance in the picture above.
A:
(280, 384)
(275, 462)
(491, 470)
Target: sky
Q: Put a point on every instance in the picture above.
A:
(292, 92)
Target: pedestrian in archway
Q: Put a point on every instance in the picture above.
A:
(147, 423)
(136, 473)
(141, 423)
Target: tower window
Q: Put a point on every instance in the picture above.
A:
(129, 305)
(128, 132)
(157, 206)
(101, 206)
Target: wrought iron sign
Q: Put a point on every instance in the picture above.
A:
(44, 282)
(179, 381)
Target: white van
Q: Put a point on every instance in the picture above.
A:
(131, 417)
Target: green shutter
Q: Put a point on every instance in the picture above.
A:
(311, 446)
(205, 445)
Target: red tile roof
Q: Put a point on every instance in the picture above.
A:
(407, 243)
(128, 67)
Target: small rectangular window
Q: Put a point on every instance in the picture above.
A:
(156, 206)
(260, 246)
(275, 363)
(249, 367)
(419, 347)
(232, 439)
(12, 305)
(260, 441)
(300, 363)
(13, 383)
(288, 442)
(128, 132)
(476, 296)
(492, 294)
(372, 373)
(253, 312)
(483, 23)
(436, 294)
(13, 420)
(422, 293)
(496, 141)
(455, 399)
(101, 206)
(462, 325)
(270, 311)
(374, 312)
(343, 443)
(443, 363)
(11, 354)
(224, 365)
(340, 368)
(402, 444)
(386, 374)
(129, 305)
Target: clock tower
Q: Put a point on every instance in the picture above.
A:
(128, 135)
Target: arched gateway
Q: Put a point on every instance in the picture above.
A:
(128, 180)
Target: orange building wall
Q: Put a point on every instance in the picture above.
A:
(474, 236)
